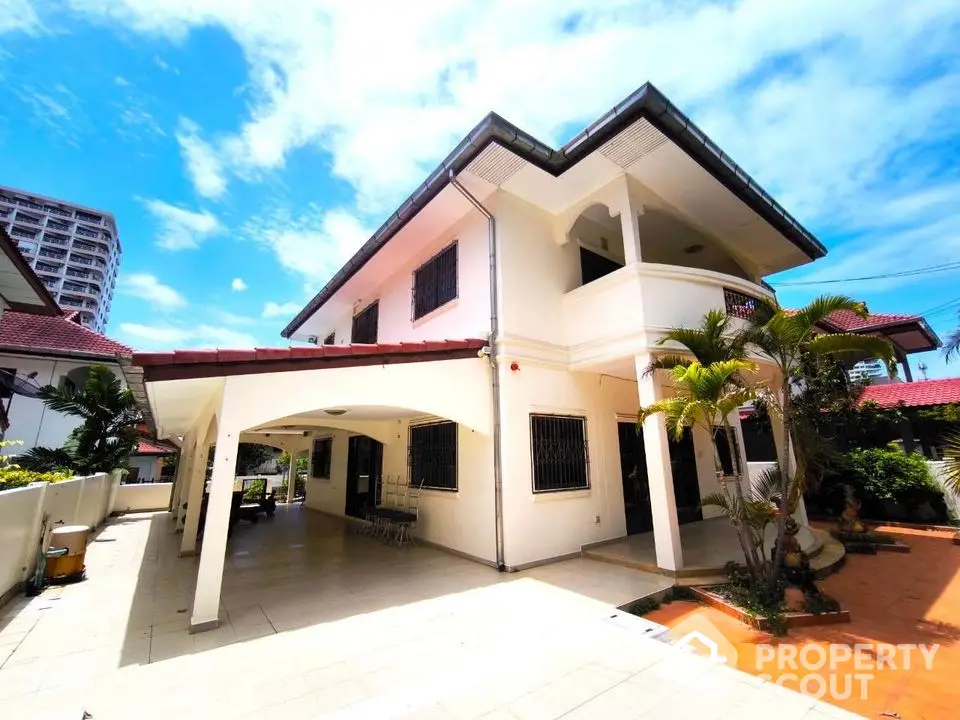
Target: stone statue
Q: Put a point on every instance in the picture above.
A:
(850, 517)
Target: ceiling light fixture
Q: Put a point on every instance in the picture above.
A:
(336, 413)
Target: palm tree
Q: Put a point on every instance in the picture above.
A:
(951, 348)
(107, 435)
(704, 393)
(785, 338)
(714, 341)
(951, 457)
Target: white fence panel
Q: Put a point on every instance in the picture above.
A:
(137, 497)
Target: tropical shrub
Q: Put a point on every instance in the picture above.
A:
(12, 476)
(256, 490)
(108, 434)
(890, 484)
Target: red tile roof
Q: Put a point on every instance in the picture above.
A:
(849, 321)
(57, 335)
(914, 394)
(189, 357)
(148, 447)
(180, 364)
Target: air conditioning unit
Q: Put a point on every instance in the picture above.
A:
(312, 339)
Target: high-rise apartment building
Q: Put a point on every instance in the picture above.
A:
(74, 250)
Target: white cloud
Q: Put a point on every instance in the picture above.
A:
(169, 336)
(286, 310)
(203, 165)
(152, 335)
(238, 285)
(121, 81)
(182, 229)
(231, 318)
(812, 98)
(18, 15)
(146, 287)
(313, 244)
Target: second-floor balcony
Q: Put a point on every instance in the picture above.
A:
(631, 308)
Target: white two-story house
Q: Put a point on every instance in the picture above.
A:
(488, 345)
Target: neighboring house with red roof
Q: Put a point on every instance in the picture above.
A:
(38, 350)
(907, 333)
(146, 463)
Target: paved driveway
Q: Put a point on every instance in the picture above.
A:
(320, 623)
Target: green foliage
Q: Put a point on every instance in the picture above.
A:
(108, 434)
(889, 474)
(250, 456)
(643, 606)
(256, 490)
(763, 601)
(300, 490)
(13, 476)
(819, 603)
(951, 456)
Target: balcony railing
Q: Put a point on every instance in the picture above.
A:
(55, 239)
(23, 232)
(87, 232)
(25, 203)
(22, 217)
(57, 225)
(53, 209)
(740, 304)
(87, 217)
(80, 260)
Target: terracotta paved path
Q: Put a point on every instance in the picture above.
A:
(893, 599)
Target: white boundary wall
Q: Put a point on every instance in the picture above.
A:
(138, 497)
(79, 501)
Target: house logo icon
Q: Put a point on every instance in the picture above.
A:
(701, 637)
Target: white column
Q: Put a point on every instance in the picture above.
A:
(206, 602)
(198, 471)
(663, 502)
(629, 227)
(292, 476)
(180, 478)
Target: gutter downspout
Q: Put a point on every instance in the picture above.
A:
(494, 367)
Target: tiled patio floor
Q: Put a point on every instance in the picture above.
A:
(320, 623)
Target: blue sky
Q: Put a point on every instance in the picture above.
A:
(248, 148)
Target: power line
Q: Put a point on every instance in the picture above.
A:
(905, 273)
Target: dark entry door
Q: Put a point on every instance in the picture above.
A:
(364, 468)
(636, 486)
(686, 486)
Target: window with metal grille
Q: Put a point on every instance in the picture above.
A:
(433, 456)
(435, 282)
(723, 449)
(364, 328)
(330, 339)
(320, 458)
(559, 453)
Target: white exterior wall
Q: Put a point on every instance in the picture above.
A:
(141, 497)
(466, 317)
(30, 420)
(461, 520)
(79, 501)
(149, 467)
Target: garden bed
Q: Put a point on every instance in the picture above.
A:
(791, 619)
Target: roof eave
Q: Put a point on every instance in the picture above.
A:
(646, 102)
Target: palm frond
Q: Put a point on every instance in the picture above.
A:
(820, 308)
(44, 459)
(951, 346)
(766, 486)
(850, 344)
(951, 456)
(665, 362)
